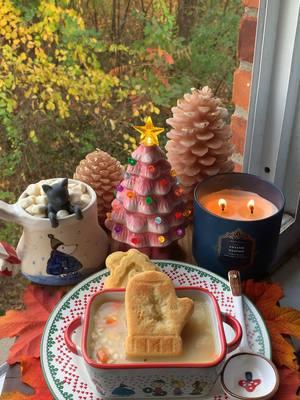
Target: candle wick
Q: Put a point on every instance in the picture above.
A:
(251, 206)
(222, 204)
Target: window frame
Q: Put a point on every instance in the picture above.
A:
(273, 129)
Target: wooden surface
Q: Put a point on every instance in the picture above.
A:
(180, 251)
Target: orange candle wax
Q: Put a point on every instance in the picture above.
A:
(238, 205)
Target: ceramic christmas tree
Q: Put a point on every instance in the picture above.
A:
(148, 210)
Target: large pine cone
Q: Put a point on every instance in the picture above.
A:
(199, 144)
(103, 173)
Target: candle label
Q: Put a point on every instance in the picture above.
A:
(236, 249)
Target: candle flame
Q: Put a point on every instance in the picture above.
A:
(251, 205)
(222, 203)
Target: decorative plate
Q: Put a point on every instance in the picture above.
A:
(65, 372)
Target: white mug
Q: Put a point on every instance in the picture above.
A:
(62, 255)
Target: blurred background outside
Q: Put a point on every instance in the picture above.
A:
(77, 74)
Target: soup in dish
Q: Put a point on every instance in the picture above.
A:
(108, 332)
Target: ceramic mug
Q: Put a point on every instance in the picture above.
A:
(62, 255)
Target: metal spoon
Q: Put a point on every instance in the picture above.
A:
(236, 289)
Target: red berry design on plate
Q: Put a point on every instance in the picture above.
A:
(249, 384)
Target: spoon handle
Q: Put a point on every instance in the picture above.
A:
(236, 289)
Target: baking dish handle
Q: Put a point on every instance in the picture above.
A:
(68, 335)
(235, 325)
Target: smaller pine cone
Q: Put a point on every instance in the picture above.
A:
(199, 144)
(103, 173)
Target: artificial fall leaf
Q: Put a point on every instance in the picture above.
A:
(13, 396)
(28, 325)
(31, 375)
(289, 383)
(280, 321)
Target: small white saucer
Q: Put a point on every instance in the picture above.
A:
(249, 376)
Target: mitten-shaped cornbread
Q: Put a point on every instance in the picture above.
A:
(155, 316)
(123, 265)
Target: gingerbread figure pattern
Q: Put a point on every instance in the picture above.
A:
(198, 388)
(178, 385)
(61, 262)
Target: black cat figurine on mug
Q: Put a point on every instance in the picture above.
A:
(59, 199)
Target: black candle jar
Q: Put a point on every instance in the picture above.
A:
(221, 244)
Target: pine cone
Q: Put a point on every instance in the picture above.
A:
(103, 173)
(199, 144)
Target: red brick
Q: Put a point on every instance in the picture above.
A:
(251, 3)
(246, 40)
(238, 167)
(241, 88)
(238, 128)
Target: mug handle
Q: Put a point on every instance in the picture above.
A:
(68, 335)
(236, 326)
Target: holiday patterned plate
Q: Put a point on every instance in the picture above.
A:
(65, 372)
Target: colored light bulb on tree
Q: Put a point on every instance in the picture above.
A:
(131, 161)
(164, 182)
(161, 239)
(118, 228)
(179, 231)
(158, 220)
(178, 215)
(187, 213)
(130, 195)
(120, 188)
(135, 241)
(149, 200)
(179, 191)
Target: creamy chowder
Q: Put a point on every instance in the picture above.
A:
(108, 332)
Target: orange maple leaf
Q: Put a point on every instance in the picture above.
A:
(289, 383)
(28, 325)
(31, 375)
(168, 58)
(281, 321)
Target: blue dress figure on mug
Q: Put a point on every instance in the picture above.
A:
(61, 262)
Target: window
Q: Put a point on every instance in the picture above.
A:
(273, 132)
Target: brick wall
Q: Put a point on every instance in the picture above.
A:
(242, 79)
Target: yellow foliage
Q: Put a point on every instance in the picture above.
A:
(51, 70)
(29, 62)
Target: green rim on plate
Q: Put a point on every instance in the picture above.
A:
(63, 371)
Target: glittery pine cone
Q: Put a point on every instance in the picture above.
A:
(103, 173)
(199, 144)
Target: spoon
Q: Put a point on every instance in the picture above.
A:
(247, 375)
(236, 290)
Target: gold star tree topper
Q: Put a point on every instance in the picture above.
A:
(149, 133)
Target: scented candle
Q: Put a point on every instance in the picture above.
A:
(237, 219)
